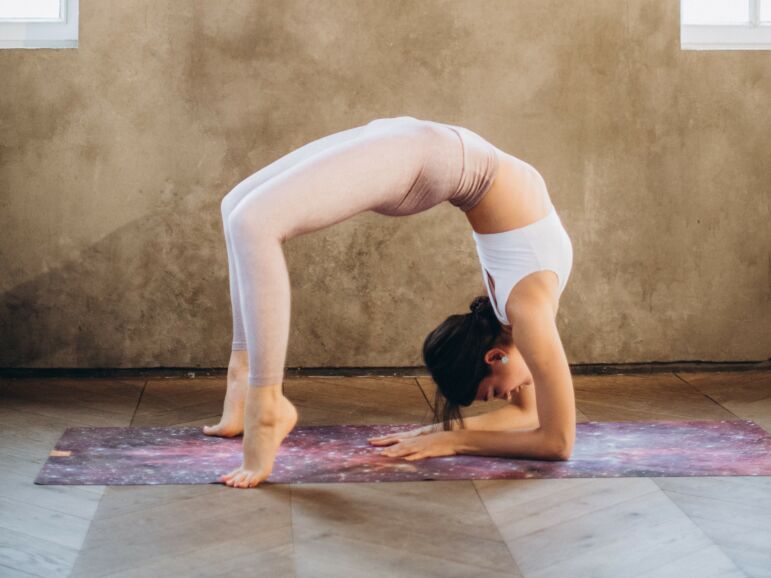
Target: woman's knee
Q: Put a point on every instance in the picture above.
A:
(227, 205)
(251, 222)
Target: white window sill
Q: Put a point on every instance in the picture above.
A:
(703, 37)
(40, 43)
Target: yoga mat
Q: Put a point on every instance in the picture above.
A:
(184, 455)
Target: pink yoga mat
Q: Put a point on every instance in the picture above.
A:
(184, 455)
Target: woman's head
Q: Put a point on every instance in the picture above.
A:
(471, 356)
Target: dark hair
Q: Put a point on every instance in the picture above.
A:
(454, 355)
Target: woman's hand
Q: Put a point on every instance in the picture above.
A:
(427, 445)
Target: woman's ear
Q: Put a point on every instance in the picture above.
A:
(496, 354)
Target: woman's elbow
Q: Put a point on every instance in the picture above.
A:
(560, 449)
(562, 454)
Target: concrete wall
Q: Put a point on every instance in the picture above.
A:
(114, 157)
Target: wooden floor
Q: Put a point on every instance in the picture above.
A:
(627, 527)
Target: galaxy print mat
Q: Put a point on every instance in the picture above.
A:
(311, 454)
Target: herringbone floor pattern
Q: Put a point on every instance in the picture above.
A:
(626, 527)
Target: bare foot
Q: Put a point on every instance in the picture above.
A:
(232, 421)
(269, 418)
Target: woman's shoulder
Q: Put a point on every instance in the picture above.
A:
(535, 293)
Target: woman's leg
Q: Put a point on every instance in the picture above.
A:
(232, 420)
(234, 197)
(376, 168)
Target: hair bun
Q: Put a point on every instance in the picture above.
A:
(480, 304)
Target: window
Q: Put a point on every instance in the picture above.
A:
(38, 23)
(725, 24)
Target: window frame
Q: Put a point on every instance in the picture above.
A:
(750, 36)
(38, 33)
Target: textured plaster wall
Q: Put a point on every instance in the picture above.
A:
(114, 157)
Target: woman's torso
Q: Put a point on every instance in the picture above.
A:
(517, 197)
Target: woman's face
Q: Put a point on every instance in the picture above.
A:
(505, 377)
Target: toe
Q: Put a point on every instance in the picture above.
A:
(231, 477)
(252, 480)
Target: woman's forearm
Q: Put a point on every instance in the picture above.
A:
(532, 443)
(505, 418)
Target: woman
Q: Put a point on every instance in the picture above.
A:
(508, 343)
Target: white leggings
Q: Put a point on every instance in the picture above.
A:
(317, 185)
